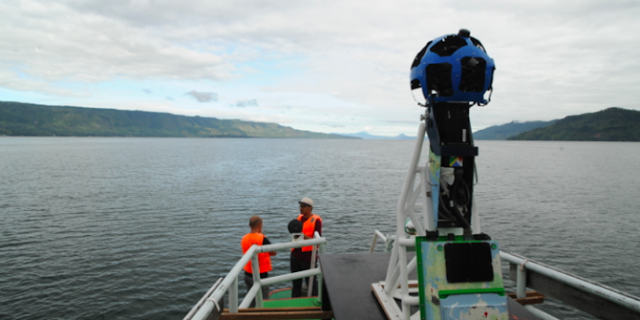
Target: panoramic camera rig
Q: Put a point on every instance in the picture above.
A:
(458, 266)
(454, 73)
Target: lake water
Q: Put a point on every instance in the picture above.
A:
(140, 228)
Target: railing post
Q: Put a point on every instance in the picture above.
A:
(255, 265)
(521, 281)
(373, 243)
(320, 278)
(314, 252)
(233, 296)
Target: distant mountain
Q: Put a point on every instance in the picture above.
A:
(23, 119)
(366, 136)
(505, 131)
(613, 124)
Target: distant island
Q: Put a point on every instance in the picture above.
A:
(24, 119)
(613, 124)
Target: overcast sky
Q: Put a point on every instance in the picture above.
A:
(323, 66)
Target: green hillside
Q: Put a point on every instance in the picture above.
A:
(613, 124)
(22, 119)
(505, 131)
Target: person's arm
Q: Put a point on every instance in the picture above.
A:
(318, 227)
(266, 241)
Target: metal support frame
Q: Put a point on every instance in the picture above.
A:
(417, 185)
(399, 268)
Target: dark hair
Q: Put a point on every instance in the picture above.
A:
(255, 221)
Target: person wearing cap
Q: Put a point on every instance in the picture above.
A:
(301, 257)
(264, 259)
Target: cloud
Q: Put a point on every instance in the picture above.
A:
(553, 58)
(203, 96)
(92, 46)
(147, 91)
(245, 103)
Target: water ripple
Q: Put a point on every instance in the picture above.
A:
(115, 228)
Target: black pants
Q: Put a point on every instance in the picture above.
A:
(248, 280)
(297, 265)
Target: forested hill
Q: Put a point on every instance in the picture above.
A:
(613, 124)
(505, 131)
(22, 119)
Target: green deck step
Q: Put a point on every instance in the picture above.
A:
(292, 303)
(282, 299)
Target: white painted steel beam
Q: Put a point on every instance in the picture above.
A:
(255, 265)
(290, 245)
(202, 300)
(407, 242)
(291, 276)
(377, 235)
(625, 300)
(251, 294)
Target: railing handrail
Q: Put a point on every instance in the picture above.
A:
(223, 287)
(377, 235)
(620, 298)
(206, 295)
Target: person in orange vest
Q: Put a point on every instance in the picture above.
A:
(301, 257)
(264, 259)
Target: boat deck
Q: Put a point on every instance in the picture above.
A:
(347, 287)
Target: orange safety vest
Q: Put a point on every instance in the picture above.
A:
(264, 259)
(308, 227)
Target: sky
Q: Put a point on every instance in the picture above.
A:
(323, 66)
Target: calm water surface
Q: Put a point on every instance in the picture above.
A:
(139, 228)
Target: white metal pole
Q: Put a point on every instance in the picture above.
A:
(312, 265)
(475, 217)
(400, 217)
(320, 279)
(427, 204)
(255, 267)
(202, 300)
(289, 245)
(251, 295)
(291, 276)
(393, 265)
(521, 282)
(233, 296)
(404, 283)
(373, 243)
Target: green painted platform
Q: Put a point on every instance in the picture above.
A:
(292, 303)
(282, 299)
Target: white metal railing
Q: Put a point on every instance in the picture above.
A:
(230, 282)
(619, 298)
(199, 304)
(377, 235)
